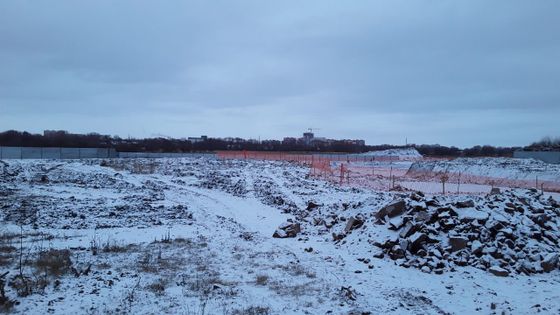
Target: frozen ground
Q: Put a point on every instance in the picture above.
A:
(508, 168)
(401, 154)
(194, 236)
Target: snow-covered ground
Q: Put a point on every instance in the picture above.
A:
(401, 154)
(194, 236)
(510, 168)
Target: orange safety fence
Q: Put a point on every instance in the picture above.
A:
(308, 157)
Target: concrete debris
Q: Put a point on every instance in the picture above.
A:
(392, 210)
(513, 232)
(458, 243)
(465, 204)
(498, 271)
(353, 223)
(495, 191)
(549, 262)
(287, 229)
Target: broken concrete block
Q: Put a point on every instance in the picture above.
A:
(495, 191)
(353, 223)
(392, 210)
(498, 271)
(416, 241)
(549, 262)
(286, 230)
(457, 243)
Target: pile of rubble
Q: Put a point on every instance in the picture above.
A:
(504, 233)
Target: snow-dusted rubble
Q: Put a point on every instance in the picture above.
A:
(514, 231)
(404, 154)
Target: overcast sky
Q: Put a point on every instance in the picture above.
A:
(450, 72)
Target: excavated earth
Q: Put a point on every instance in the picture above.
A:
(208, 236)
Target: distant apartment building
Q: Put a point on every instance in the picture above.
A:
(197, 139)
(309, 139)
(289, 141)
(54, 133)
(354, 142)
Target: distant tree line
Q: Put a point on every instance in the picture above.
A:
(546, 144)
(485, 150)
(92, 140)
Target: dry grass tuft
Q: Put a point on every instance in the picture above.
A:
(54, 262)
(262, 280)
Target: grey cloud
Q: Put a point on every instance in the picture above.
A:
(187, 67)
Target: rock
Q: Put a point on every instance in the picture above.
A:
(422, 216)
(416, 241)
(447, 224)
(392, 210)
(403, 243)
(509, 210)
(551, 226)
(436, 253)
(311, 205)
(41, 178)
(432, 203)
(508, 232)
(415, 197)
(318, 221)
(348, 293)
(472, 214)
(280, 234)
(551, 236)
(378, 254)
(509, 243)
(550, 262)
(510, 205)
(409, 229)
(465, 204)
(286, 230)
(338, 237)
(476, 247)
(457, 243)
(353, 223)
(449, 210)
(498, 271)
(396, 223)
(396, 252)
(495, 191)
(293, 230)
